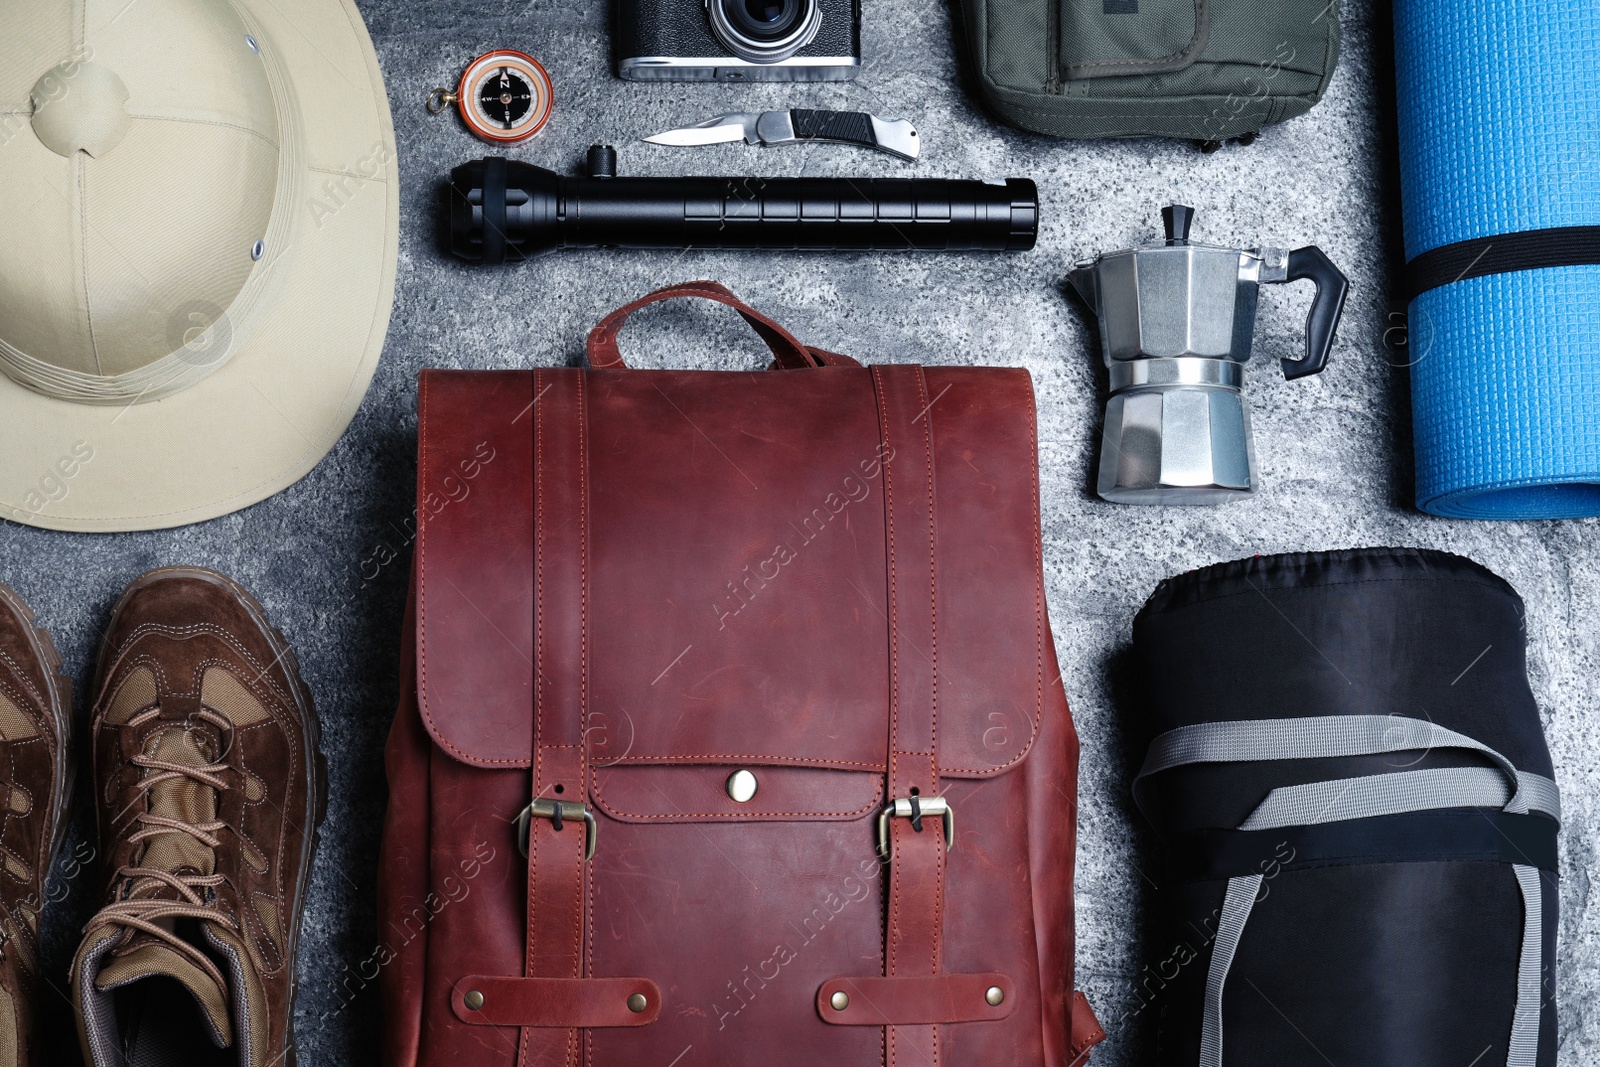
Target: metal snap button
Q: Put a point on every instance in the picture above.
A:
(840, 1000)
(473, 999)
(994, 995)
(638, 1003)
(742, 786)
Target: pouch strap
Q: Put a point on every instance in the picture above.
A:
(557, 1003)
(557, 870)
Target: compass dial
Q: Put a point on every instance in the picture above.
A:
(505, 96)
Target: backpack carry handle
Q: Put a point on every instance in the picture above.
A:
(787, 351)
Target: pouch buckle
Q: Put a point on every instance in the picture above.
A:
(558, 812)
(914, 808)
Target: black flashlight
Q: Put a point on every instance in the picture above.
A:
(501, 209)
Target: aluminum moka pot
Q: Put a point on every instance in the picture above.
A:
(1176, 322)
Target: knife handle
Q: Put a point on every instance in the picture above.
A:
(850, 127)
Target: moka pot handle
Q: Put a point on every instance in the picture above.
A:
(1310, 263)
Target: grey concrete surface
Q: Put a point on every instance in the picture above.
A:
(1335, 450)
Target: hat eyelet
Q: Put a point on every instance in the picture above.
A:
(251, 41)
(258, 249)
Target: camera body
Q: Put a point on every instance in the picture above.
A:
(738, 40)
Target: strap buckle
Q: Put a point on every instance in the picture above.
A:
(558, 812)
(914, 808)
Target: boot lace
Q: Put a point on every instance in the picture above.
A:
(194, 891)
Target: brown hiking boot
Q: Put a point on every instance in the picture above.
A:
(35, 784)
(209, 786)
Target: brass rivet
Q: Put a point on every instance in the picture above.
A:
(637, 1003)
(840, 1000)
(741, 786)
(474, 999)
(994, 995)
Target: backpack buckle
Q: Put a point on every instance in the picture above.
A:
(914, 808)
(558, 812)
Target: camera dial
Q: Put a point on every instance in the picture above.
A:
(764, 31)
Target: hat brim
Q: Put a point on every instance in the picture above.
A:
(261, 422)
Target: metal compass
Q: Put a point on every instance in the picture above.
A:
(503, 96)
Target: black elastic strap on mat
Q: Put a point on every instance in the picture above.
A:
(1559, 246)
(1485, 837)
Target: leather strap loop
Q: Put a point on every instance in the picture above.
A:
(556, 1003)
(945, 998)
(787, 350)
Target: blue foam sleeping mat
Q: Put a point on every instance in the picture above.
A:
(1499, 106)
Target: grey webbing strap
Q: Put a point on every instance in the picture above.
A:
(1503, 786)
(1310, 738)
(1398, 793)
(1524, 1050)
(1540, 793)
(1236, 905)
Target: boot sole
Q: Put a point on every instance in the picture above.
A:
(59, 699)
(316, 763)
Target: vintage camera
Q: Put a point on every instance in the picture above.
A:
(738, 40)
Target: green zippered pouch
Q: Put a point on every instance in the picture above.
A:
(1208, 70)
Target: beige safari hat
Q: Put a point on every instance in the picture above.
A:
(197, 252)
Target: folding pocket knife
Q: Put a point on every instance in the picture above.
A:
(800, 126)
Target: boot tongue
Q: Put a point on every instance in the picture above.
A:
(144, 955)
(149, 957)
(183, 799)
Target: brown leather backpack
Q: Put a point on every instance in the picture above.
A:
(773, 647)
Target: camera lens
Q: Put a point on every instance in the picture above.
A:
(766, 18)
(765, 31)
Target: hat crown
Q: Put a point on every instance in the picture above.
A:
(93, 118)
(147, 175)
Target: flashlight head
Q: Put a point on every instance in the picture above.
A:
(503, 210)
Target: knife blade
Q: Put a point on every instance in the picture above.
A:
(715, 131)
(798, 126)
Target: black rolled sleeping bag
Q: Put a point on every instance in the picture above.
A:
(1351, 778)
